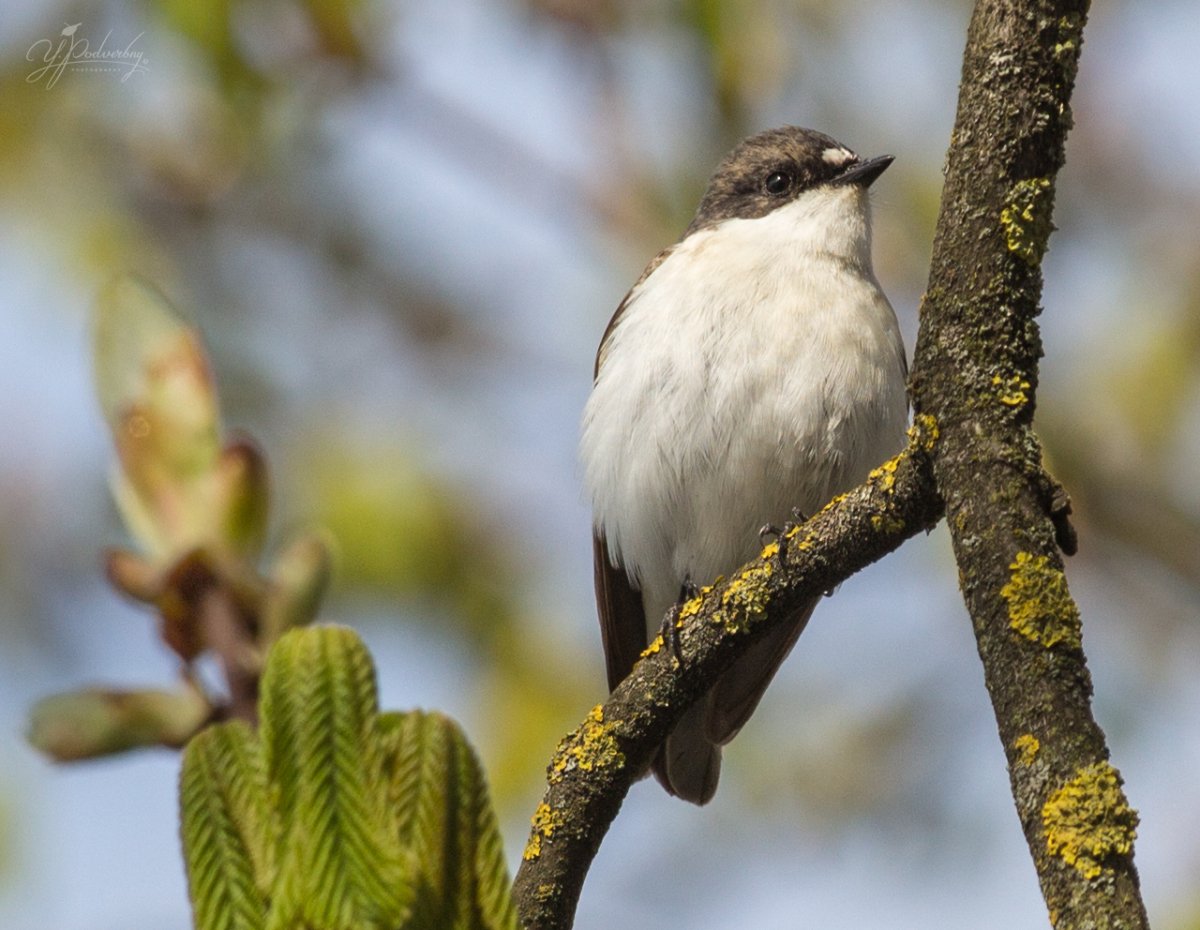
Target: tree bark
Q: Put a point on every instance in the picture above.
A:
(973, 447)
(976, 376)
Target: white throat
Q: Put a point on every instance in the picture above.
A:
(826, 222)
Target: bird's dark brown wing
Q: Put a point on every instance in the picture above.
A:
(622, 620)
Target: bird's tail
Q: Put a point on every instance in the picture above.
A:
(689, 763)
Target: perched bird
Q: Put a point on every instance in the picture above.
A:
(756, 367)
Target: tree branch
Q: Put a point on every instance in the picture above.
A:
(594, 766)
(975, 374)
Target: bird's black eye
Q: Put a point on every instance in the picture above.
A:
(778, 182)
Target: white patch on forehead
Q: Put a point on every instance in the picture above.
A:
(837, 156)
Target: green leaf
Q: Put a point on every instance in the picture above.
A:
(99, 722)
(298, 581)
(240, 497)
(494, 906)
(341, 865)
(444, 814)
(177, 488)
(158, 396)
(227, 828)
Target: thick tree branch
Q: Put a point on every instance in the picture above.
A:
(976, 375)
(593, 767)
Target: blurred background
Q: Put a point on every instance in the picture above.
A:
(401, 227)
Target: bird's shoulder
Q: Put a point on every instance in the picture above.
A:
(655, 262)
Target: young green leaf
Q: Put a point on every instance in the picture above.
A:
(341, 865)
(444, 815)
(297, 584)
(240, 497)
(97, 722)
(227, 827)
(158, 396)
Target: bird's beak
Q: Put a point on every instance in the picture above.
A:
(864, 172)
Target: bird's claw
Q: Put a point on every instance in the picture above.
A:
(669, 631)
(782, 536)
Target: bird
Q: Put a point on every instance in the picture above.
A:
(755, 369)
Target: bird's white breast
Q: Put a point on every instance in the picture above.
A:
(757, 369)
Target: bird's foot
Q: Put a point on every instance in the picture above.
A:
(783, 536)
(669, 631)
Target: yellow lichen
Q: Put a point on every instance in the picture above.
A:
(592, 746)
(655, 645)
(692, 606)
(1026, 219)
(924, 432)
(770, 550)
(1012, 390)
(886, 523)
(885, 474)
(1088, 821)
(885, 479)
(1039, 605)
(545, 821)
(745, 597)
(794, 543)
(833, 503)
(1027, 745)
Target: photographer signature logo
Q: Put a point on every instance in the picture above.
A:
(75, 53)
